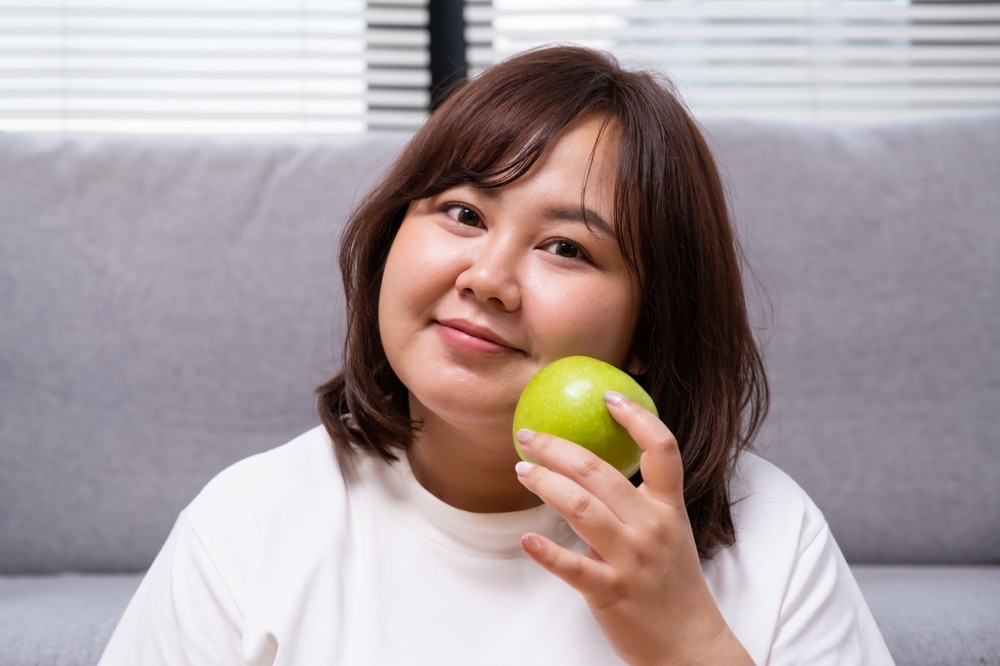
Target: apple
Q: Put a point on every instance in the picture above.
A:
(566, 399)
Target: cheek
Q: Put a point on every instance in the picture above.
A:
(592, 317)
(395, 291)
(417, 271)
(390, 285)
(405, 259)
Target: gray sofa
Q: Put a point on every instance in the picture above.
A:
(169, 304)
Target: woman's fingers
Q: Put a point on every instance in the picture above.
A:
(661, 465)
(577, 485)
(622, 526)
(586, 574)
(590, 572)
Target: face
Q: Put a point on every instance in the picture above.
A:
(483, 287)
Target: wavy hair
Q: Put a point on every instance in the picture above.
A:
(702, 365)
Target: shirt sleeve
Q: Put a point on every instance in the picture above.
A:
(182, 613)
(824, 619)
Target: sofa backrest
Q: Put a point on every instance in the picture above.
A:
(878, 249)
(169, 306)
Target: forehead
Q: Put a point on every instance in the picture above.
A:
(579, 166)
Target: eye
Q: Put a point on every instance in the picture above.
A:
(462, 214)
(568, 249)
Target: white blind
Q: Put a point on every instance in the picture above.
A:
(213, 66)
(826, 61)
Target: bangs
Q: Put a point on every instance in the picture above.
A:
(494, 149)
(492, 130)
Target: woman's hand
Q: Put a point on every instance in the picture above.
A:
(641, 575)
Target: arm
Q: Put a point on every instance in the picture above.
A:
(641, 575)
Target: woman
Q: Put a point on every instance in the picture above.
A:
(556, 205)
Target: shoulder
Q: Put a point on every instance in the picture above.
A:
(272, 514)
(776, 522)
(305, 465)
(768, 504)
(756, 476)
(784, 586)
(273, 500)
(252, 539)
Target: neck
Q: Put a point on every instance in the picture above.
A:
(470, 470)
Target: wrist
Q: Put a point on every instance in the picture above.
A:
(720, 647)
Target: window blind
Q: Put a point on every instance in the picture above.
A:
(826, 61)
(213, 66)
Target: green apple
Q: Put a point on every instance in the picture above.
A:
(566, 399)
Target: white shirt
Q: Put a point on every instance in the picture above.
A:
(289, 558)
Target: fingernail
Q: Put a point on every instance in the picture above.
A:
(531, 544)
(524, 435)
(614, 398)
(523, 467)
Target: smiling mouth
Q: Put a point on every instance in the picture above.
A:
(471, 338)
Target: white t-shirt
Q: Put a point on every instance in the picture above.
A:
(289, 558)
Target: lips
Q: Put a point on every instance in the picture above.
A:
(474, 335)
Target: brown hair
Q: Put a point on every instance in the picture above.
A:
(702, 366)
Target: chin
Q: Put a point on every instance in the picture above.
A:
(464, 410)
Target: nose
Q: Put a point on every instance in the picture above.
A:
(492, 276)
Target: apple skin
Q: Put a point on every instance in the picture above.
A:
(566, 399)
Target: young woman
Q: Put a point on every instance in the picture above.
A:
(556, 205)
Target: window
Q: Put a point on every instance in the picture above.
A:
(816, 60)
(316, 67)
(213, 66)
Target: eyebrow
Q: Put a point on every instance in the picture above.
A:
(581, 214)
(564, 213)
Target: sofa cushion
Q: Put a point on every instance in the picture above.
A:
(928, 615)
(935, 615)
(63, 620)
